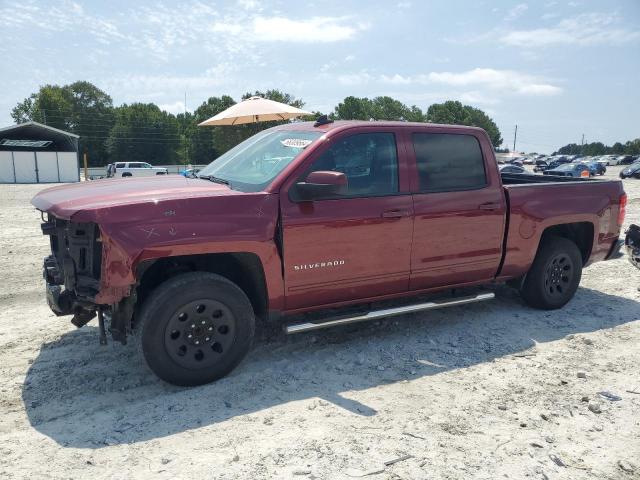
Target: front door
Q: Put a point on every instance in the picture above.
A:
(355, 245)
(459, 212)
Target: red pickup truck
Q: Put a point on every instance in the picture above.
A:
(305, 219)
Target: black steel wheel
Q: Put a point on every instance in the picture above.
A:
(558, 275)
(199, 333)
(195, 328)
(554, 275)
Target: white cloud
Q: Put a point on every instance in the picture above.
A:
(282, 29)
(403, 5)
(506, 81)
(155, 85)
(354, 79)
(397, 79)
(249, 4)
(175, 107)
(516, 11)
(583, 30)
(58, 18)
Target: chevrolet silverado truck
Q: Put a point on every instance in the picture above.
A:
(315, 225)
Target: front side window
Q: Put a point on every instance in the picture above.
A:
(119, 165)
(369, 161)
(448, 162)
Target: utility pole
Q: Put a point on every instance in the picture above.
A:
(515, 135)
(86, 174)
(582, 141)
(184, 135)
(44, 114)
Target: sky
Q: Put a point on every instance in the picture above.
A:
(557, 69)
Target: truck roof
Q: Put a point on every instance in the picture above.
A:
(346, 124)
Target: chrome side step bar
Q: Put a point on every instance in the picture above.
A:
(388, 312)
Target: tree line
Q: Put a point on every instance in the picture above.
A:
(144, 132)
(631, 147)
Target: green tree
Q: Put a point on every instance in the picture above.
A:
(144, 133)
(632, 147)
(80, 108)
(378, 108)
(208, 143)
(454, 112)
(617, 148)
(51, 105)
(354, 108)
(92, 119)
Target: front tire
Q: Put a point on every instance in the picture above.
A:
(195, 328)
(554, 275)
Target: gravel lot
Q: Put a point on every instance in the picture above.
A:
(492, 390)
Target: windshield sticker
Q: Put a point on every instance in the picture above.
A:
(296, 142)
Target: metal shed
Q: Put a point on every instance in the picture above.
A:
(35, 153)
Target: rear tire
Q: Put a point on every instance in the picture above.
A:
(554, 275)
(195, 328)
(127, 174)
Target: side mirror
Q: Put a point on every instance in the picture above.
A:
(318, 185)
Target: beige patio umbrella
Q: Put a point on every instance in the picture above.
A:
(254, 109)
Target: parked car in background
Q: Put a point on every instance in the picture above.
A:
(595, 168)
(511, 169)
(632, 171)
(625, 159)
(610, 159)
(189, 172)
(541, 166)
(557, 162)
(569, 170)
(137, 169)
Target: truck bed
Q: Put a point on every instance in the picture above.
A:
(537, 202)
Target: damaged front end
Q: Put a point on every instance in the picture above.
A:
(72, 274)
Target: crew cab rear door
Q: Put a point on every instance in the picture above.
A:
(357, 244)
(460, 208)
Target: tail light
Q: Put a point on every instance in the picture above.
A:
(622, 209)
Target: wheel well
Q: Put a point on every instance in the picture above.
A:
(580, 233)
(243, 269)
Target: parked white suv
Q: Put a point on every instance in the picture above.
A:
(135, 169)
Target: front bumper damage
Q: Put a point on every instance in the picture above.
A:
(72, 278)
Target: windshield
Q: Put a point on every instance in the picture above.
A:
(251, 165)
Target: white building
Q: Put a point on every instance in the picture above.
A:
(35, 153)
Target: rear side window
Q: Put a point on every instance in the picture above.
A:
(135, 165)
(448, 162)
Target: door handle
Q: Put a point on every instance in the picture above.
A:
(395, 214)
(489, 206)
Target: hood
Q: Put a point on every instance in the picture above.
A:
(65, 201)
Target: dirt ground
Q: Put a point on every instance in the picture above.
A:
(491, 390)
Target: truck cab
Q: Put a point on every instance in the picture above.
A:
(315, 225)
